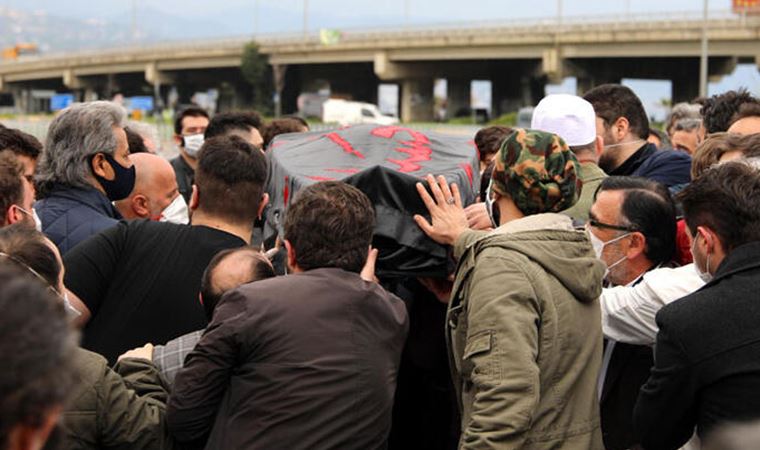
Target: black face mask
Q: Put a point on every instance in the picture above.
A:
(124, 181)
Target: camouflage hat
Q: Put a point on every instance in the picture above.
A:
(537, 171)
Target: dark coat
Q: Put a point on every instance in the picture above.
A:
(669, 167)
(707, 370)
(627, 371)
(185, 176)
(70, 215)
(304, 361)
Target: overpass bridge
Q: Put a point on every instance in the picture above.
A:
(519, 57)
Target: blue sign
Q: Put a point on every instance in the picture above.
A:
(61, 101)
(143, 103)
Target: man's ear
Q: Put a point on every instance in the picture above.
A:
(620, 128)
(194, 198)
(140, 206)
(13, 215)
(30, 437)
(292, 264)
(712, 243)
(263, 204)
(177, 140)
(102, 168)
(638, 245)
(598, 146)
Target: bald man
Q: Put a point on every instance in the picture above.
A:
(228, 270)
(155, 195)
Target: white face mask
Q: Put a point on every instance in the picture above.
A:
(706, 276)
(67, 304)
(192, 144)
(599, 245)
(176, 212)
(489, 204)
(35, 217)
(37, 221)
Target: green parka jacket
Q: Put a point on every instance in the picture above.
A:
(120, 408)
(524, 335)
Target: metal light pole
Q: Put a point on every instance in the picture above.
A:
(703, 55)
(559, 12)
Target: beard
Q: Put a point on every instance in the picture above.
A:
(608, 161)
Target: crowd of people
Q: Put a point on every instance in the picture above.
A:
(600, 291)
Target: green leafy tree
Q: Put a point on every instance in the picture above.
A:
(257, 71)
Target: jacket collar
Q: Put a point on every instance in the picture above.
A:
(743, 257)
(546, 221)
(635, 161)
(88, 196)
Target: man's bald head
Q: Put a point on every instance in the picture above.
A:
(230, 269)
(155, 188)
(746, 125)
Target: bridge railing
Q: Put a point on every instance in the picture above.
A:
(552, 25)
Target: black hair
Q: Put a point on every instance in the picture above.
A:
(11, 183)
(330, 224)
(135, 142)
(488, 140)
(223, 123)
(718, 111)
(192, 111)
(20, 143)
(613, 101)
(280, 126)
(230, 178)
(649, 209)
(27, 247)
(725, 198)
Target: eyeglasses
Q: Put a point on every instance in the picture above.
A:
(597, 224)
(32, 271)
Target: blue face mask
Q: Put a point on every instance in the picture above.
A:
(124, 181)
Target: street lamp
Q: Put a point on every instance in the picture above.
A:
(703, 55)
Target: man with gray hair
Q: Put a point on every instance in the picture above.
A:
(85, 167)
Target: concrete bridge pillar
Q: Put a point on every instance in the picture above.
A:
(22, 99)
(417, 100)
(457, 96)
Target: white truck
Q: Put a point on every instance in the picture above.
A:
(346, 112)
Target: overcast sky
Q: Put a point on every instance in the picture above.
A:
(355, 12)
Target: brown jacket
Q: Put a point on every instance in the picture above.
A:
(524, 330)
(304, 361)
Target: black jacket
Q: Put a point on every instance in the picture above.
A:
(669, 167)
(707, 369)
(304, 361)
(628, 370)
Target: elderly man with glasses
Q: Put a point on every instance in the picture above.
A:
(632, 226)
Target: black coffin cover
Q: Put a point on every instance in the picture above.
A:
(384, 162)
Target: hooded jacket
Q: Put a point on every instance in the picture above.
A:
(525, 338)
